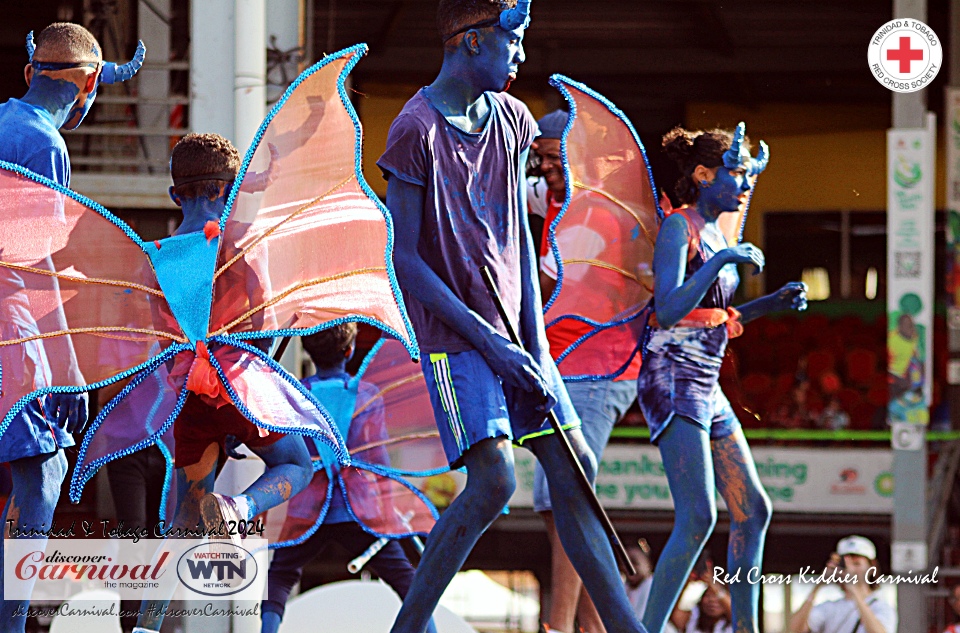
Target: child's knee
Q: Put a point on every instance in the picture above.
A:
(698, 519)
(490, 470)
(761, 511)
(588, 461)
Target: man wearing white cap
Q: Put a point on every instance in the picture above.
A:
(859, 611)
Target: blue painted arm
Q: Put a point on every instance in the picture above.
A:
(793, 296)
(406, 201)
(674, 297)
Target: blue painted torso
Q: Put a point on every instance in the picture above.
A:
(29, 138)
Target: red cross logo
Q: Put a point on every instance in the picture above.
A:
(905, 55)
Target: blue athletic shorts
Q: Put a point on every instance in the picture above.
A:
(470, 403)
(601, 404)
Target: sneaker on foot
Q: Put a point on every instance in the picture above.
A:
(217, 510)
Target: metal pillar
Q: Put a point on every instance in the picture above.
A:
(910, 466)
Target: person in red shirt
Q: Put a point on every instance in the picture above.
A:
(600, 403)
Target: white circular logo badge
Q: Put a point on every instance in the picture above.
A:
(905, 55)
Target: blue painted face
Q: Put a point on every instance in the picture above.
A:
(82, 106)
(729, 189)
(501, 53)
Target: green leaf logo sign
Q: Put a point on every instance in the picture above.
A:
(906, 174)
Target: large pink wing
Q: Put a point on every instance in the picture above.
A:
(603, 238)
(77, 294)
(395, 451)
(305, 241)
(412, 444)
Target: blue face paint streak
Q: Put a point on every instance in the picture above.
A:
(53, 95)
(727, 191)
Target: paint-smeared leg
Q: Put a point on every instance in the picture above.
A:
(288, 472)
(193, 482)
(490, 484)
(581, 531)
(36, 490)
(685, 450)
(565, 583)
(750, 511)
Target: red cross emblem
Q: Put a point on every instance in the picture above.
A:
(905, 55)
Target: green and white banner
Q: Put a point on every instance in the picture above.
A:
(910, 246)
(855, 481)
(952, 111)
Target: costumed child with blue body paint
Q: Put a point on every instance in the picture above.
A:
(340, 393)
(203, 168)
(66, 68)
(699, 437)
(454, 163)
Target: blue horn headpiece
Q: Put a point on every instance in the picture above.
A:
(738, 155)
(111, 73)
(519, 16)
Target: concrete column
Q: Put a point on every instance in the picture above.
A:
(211, 67)
(154, 83)
(910, 467)
(249, 70)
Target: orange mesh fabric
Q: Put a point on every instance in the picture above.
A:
(307, 244)
(75, 306)
(605, 237)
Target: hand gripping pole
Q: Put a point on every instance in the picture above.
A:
(585, 484)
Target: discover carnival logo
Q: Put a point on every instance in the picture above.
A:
(905, 55)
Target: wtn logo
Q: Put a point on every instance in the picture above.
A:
(225, 569)
(218, 569)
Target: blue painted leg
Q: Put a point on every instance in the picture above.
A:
(581, 532)
(490, 484)
(36, 489)
(685, 450)
(288, 472)
(750, 511)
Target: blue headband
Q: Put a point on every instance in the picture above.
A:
(111, 73)
(508, 20)
(738, 155)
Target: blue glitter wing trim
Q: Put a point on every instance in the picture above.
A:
(15, 410)
(378, 470)
(82, 475)
(168, 469)
(368, 359)
(355, 53)
(563, 84)
(645, 313)
(338, 444)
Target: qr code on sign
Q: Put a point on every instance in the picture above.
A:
(907, 264)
